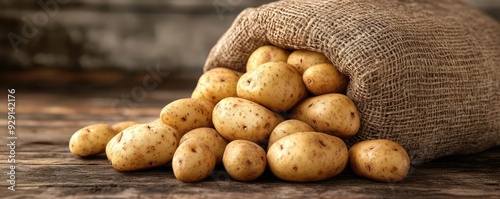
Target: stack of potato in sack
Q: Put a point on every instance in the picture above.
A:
(306, 87)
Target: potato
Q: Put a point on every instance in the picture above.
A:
(187, 114)
(334, 113)
(266, 54)
(324, 78)
(276, 85)
(381, 160)
(91, 140)
(240, 119)
(307, 157)
(244, 160)
(193, 161)
(288, 127)
(216, 84)
(120, 126)
(303, 59)
(210, 137)
(142, 146)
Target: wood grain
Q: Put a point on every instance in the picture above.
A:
(46, 169)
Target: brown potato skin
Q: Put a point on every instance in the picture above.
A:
(193, 161)
(210, 137)
(324, 78)
(266, 54)
(303, 59)
(332, 113)
(380, 160)
(187, 114)
(287, 127)
(275, 85)
(216, 84)
(142, 146)
(91, 140)
(307, 157)
(241, 119)
(244, 160)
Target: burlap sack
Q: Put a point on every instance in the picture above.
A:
(424, 73)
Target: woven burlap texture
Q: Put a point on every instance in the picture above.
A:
(423, 73)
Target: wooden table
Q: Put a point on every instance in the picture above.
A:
(45, 120)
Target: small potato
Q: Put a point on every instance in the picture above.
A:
(193, 161)
(288, 127)
(240, 119)
(244, 160)
(142, 146)
(307, 157)
(216, 84)
(120, 126)
(210, 137)
(187, 114)
(276, 85)
(381, 160)
(334, 113)
(266, 54)
(324, 78)
(303, 59)
(91, 140)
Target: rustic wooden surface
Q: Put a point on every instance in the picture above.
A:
(45, 169)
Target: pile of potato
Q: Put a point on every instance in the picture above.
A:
(287, 112)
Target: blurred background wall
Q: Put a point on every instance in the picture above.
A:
(127, 35)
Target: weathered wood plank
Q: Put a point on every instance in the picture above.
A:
(423, 183)
(59, 173)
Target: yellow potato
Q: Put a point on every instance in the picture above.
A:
(288, 127)
(187, 114)
(266, 54)
(210, 137)
(303, 59)
(276, 85)
(244, 160)
(324, 78)
(381, 160)
(120, 126)
(193, 161)
(241, 119)
(91, 140)
(142, 146)
(307, 157)
(334, 113)
(216, 84)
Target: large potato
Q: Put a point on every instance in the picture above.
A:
(307, 157)
(240, 119)
(210, 137)
(142, 146)
(276, 85)
(266, 54)
(91, 140)
(244, 160)
(288, 127)
(216, 84)
(324, 78)
(187, 114)
(303, 59)
(334, 113)
(193, 161)
(381, 160)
